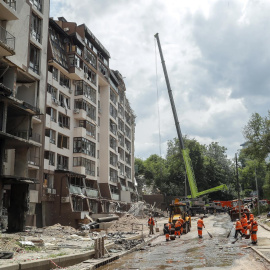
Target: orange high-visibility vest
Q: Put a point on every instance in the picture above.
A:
(200, 223)
(238, 225)
(181, 221)
(151, 221)
(244, 222)
(177, 224)
(254, 226)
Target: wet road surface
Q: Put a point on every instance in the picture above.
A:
(190, 252)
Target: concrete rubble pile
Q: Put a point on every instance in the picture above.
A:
(58, 230)
(9, 244)
(143, 209)
(124, 224)
(123, 244)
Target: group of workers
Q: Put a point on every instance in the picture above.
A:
(178, 229)
(241, 227)
(246, 224)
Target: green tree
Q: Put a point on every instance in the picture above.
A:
(257, 135)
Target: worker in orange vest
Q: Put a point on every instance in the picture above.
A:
(238, 228)
(253, 228)
(244, 224)
(200, 226)
(177, 227)
(151, 224)
(251, 216)
(167, 230)
(182, 224)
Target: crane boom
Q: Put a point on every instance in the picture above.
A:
(180, 138)
(187, 161)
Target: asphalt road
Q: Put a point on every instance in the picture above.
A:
(190, 252)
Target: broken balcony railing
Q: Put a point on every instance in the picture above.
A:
(11, 3)
(7, 38)
(75, 189)
(91, 192)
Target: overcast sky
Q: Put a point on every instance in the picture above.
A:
(217, 55)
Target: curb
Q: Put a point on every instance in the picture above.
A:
(102, 262)
(259, 253)
(264, 226)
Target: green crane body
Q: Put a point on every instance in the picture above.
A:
(187, 161)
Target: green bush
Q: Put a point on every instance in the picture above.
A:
(263, 209)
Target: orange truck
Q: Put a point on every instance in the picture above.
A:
(225, 204)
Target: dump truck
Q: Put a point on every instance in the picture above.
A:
(180, 209)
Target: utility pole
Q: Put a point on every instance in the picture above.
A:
(258, 203)
(238, 188)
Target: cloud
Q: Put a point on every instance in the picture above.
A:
(216, 53)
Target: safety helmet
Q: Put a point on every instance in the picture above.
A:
(237, 219)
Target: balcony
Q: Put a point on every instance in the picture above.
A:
(91, 192)
(62, 167)
(75, 189)
(24, 134)
(36, 137)
(115, 196)
(8, 10)
(7, 42)
(76, 72)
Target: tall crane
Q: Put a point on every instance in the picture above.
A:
(188, 166)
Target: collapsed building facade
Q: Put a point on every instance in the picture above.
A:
(66, 126)
(23, 69)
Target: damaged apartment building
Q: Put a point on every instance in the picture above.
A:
(89, 130)
(66, 127)
(23, 72)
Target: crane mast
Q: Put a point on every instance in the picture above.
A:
(187, 161)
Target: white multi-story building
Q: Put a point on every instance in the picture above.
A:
(23, 72)
(89, 133)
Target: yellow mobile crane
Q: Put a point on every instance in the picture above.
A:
(188, 166)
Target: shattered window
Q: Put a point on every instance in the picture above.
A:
(128, 172)
(36, 24)
(113, 159)
(113, 111)
(62, 162)
(113, 143)
(63, 120)
(34, 58)
(37, 4)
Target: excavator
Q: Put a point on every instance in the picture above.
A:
(178, 210)
(188, 166)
